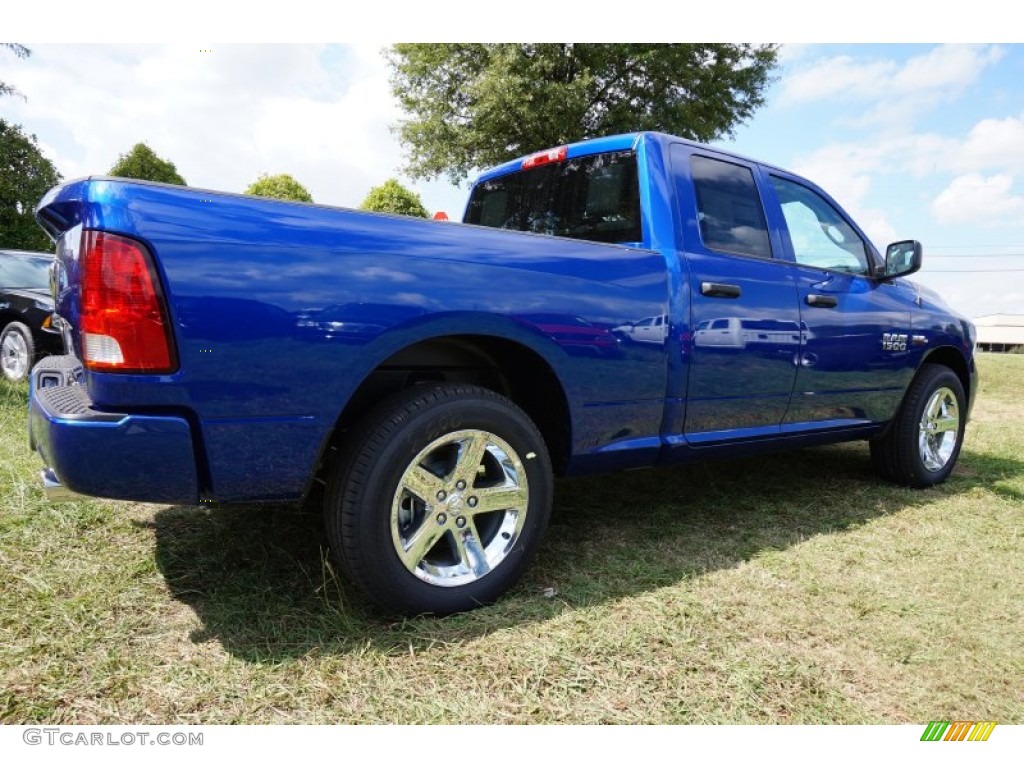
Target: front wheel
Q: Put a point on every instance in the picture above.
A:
(439, 500)
(922, 444)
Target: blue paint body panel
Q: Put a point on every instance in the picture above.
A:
(281, 311)
(117, 456)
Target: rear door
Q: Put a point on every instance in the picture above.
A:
(739, 384)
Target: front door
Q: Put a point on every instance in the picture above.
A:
(856, 359)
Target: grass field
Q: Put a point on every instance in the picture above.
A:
(795, 588)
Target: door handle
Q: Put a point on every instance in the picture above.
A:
(720, 290)
(817, 300)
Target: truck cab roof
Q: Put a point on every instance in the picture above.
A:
(618, 142)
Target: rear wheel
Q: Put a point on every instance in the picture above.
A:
(439, 500)
(923, 442)
(16, 351)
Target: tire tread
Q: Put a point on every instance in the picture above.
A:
(355, 461)
(894, 455)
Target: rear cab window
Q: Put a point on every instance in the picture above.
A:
(594, 197)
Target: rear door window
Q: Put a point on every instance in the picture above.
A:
(729, 209)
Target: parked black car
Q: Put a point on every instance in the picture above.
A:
(26, 313)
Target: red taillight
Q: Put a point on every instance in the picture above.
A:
(123, 318)
(547, 156)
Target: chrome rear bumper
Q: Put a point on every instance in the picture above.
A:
(52, 488)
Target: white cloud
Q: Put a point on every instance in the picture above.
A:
(837, 75)
(976, 199)
(844, 171)
(319, 113)
(923, 153)
(945, 67)
(974, 295)
(942, 72)
(899, 165)
(993, 144)
(790, 52)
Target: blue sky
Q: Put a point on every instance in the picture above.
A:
(916, 141)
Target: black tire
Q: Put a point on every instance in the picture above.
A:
(429, 437)
(916, 451)
(17, 352)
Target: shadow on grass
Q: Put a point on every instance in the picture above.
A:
(259, 580)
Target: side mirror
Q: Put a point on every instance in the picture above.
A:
(902, 258)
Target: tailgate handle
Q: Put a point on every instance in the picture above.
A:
(720, 290)
(817, 300)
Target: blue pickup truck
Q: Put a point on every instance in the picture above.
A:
(622, 302)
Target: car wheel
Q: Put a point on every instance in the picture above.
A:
(439, 499)
(923, 442)
(16, 352)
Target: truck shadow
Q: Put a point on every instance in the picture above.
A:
(259, 580)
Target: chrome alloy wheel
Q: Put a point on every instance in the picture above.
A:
(940, 423)
(459, 508)
(14, 356)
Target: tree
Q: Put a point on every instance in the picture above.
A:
(141, 162)
(282, 186)
(21, 52)
(475, 105)
(392, 197)
(25, 176)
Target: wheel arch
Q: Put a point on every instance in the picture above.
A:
(954, 359)
(499, 363)
(947, 356)
(6, 318)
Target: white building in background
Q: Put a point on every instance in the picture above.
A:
(1000, 333)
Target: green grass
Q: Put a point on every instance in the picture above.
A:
(794, 588)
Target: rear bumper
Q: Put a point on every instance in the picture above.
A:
(52, 487)
(89, 452)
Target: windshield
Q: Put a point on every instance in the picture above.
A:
(25, 272)
(596, 197)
